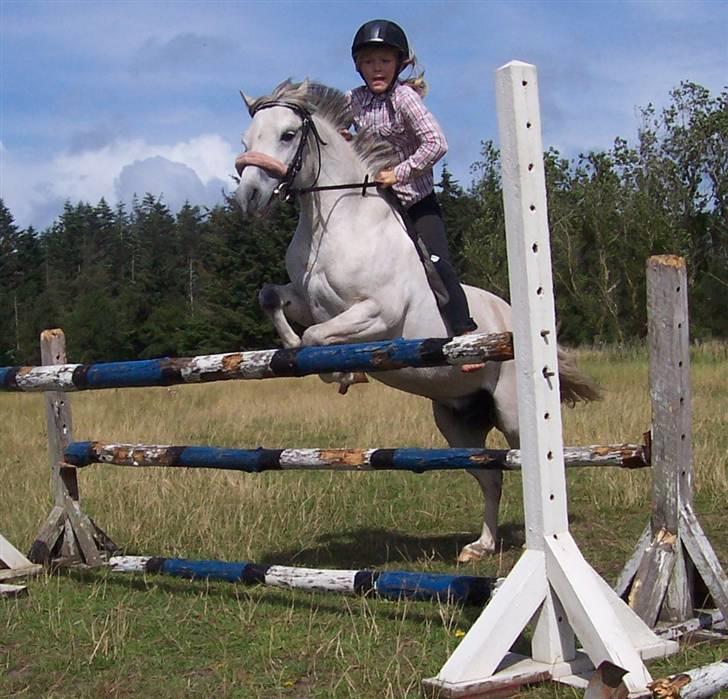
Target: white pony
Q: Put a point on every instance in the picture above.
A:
(356, 275)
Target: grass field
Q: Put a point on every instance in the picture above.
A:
(93, 634)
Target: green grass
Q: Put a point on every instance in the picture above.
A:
(94, 634)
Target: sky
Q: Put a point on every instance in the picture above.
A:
(117, 97)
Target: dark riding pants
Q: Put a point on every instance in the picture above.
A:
(426, 217)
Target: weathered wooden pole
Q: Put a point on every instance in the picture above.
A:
(68, 534)
(659, 578)
(698, 683)
(81, 454)
(384, 355)
(386, 584)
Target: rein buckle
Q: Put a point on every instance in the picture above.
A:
(281, 191)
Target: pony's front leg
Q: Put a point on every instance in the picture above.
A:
(361, 322)
(282, 304)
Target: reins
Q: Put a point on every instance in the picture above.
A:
(284, 190)
(326, 187)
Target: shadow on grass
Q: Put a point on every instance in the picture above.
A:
(371, 548)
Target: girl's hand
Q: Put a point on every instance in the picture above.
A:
(386, 178)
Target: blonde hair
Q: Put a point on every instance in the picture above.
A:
(416, 79)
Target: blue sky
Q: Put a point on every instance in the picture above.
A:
(104, 99)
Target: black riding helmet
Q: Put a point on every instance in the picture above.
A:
(381, 32)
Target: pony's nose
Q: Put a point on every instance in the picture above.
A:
(247, 198)
(250, 200)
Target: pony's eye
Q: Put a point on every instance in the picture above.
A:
(288, 136)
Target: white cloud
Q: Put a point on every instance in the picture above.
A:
(174, 182)
(35, 191)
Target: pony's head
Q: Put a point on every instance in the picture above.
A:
(292, 131)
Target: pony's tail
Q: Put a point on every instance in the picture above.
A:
(575, 385)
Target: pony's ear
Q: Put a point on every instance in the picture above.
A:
(305, 93)
(305, 88)
(248, 101)
(295, 91)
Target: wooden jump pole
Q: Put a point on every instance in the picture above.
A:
(659, 580)
(68, 535)
(384, 584)
(551, 584)
(384, 355)
(80, 454)
(699, 683)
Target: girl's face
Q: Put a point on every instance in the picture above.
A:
(377, 65)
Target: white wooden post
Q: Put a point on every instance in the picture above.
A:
(13, 565)
(551, 584)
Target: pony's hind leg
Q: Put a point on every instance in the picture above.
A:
(467, 425)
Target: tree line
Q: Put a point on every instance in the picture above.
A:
(138, 281)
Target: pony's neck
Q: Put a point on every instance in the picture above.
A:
(340, 164)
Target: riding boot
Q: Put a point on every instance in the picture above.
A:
(455, 311)
(425, 225)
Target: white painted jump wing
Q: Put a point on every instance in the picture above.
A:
(552, 580)
(14, 564)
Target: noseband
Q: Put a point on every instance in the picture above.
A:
(286, 175)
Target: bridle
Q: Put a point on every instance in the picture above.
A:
(284, 189)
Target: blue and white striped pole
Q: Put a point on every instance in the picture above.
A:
(417, 460)
(386, 355)
(386, 584)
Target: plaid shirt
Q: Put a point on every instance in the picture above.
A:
(400, 117)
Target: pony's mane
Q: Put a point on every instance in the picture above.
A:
(332, 105)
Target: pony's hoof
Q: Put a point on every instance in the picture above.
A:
(349, 379)
(343, 377)
(474, 552)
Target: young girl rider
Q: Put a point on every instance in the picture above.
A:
(393, 109)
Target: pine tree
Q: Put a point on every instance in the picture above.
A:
(9, 280)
